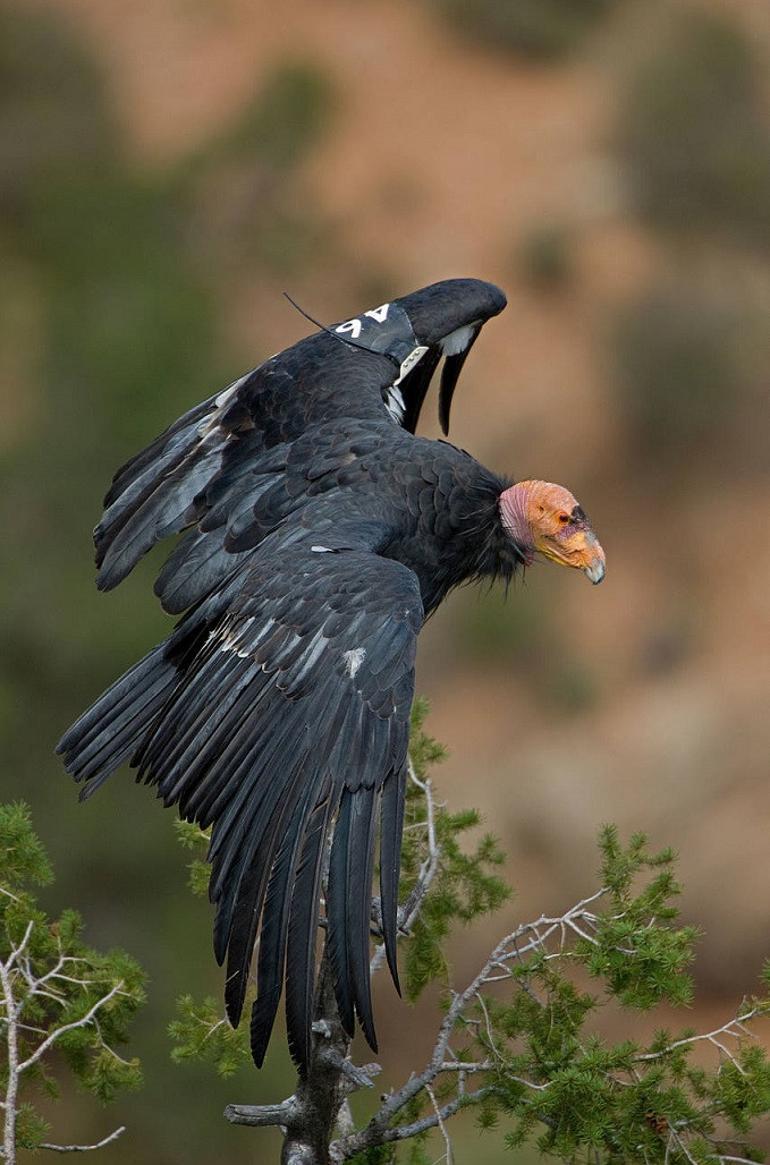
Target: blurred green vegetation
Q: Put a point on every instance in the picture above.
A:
(246, 207)
(689, 358)
(543, 257)
(678, 365)
(693, 129)
(54, 121)
(279, 126)
(690, 352)
(541, 29)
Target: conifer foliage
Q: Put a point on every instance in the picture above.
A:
(57, 995)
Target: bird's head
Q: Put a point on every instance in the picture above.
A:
(544, 518)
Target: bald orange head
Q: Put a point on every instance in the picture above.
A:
(545, 518)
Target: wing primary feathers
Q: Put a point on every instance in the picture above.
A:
(337, 915)
(248, 907)
(415, 385)
(231, 822)
(184, 742)
(121, 690)
(249, 851)
(128, 473)
(127, 497)
(111, 717)
(450, 374)
(271, 961)
(118, 739)
(303, 926)
(358, 902)
(161, 512)
(391, 826)
(97, 744)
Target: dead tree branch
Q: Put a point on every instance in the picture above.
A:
(113, 1136)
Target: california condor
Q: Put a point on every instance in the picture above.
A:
(320, 534)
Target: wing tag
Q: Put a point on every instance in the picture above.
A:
(386, 329)
(380, 314)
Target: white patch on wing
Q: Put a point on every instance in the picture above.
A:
(230, 645)
(457, 341)
(354, 659)
(320, 550)
(233, 640)
(228, 392)
(212, 419)
(394, 403)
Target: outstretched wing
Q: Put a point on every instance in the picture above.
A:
(446, 319)
(285, 720)
(211, 467)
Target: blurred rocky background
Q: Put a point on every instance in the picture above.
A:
(167, 168)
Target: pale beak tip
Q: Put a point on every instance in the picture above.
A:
(595, 572)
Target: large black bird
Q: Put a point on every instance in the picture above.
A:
(320, 534)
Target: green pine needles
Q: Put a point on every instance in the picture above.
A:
(465, 885)
(549, 1077)
(57, 995)
(522, 1043)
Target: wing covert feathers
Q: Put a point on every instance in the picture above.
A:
(205, 473)
(282, 722)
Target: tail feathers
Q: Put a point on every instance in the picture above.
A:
(113, 728)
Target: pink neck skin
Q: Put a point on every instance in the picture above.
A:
(513, 515)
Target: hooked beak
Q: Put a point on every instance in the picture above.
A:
(597, 567)
(581, 550)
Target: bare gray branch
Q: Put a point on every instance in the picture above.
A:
(113, 1136)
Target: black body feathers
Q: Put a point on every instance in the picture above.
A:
(320, 533)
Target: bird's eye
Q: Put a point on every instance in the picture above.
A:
(564, 518)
